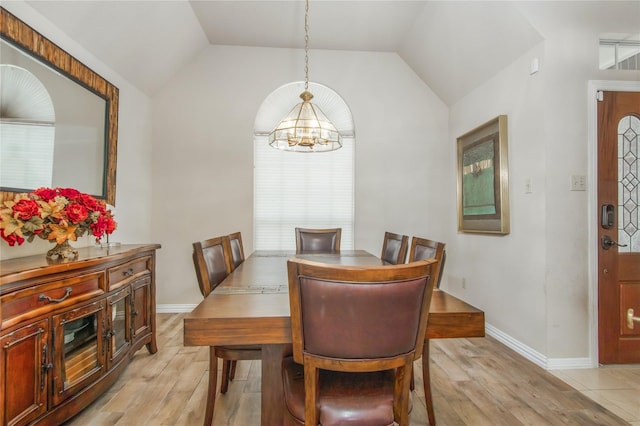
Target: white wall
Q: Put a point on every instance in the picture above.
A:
(133, 193)
(505, 275)
(534, 283)
(203, 149)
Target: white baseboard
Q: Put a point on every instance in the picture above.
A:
(570, 363)
(175, 308)
(532, 355)
(536, 357)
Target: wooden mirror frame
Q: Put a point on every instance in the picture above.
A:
(16, 32)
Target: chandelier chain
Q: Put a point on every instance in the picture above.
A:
(306, 46)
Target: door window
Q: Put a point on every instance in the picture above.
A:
(629, 183)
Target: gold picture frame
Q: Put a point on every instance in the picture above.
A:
(483, 179)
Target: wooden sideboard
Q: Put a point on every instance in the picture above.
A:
(70, 328)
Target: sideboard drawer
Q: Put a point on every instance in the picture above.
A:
(49, 296)
(123, 274)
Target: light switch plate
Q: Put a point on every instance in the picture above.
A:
(578, 183)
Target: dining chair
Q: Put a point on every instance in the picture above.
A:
(237, 250)
(356, 332)
(212, 262)
(318, 240)
(422, 248)
(394, 248)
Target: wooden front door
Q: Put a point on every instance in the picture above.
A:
(619, 227)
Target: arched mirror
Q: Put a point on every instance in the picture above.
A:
(83, 119)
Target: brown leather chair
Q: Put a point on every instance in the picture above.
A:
(421, 248)
(394, 248)
(212, 261)
(237, 250)
(356, 333)
(318, 240)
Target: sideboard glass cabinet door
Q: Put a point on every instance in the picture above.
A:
(141, 296)
(119, 329)
(79, 349)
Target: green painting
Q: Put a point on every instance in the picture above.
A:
(478, 179)
(483, 179)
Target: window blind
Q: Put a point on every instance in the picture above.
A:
(26, 165)
(309, 190)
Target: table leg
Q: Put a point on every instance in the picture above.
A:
(211, 391)
(272, 390)
(426, 378)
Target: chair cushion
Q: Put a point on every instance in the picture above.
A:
(382, 317)
(392, 251)
(318, 242)
(344, 398)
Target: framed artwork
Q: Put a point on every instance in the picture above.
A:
(483, 179)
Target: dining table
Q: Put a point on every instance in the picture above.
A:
(251, 306)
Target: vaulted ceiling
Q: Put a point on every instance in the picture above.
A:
(452, 45)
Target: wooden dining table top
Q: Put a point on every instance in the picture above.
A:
(251, 306)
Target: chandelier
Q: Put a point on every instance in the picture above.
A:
(305, 128)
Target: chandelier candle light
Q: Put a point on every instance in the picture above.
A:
(306, 128)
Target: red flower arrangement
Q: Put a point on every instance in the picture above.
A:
(54, 214)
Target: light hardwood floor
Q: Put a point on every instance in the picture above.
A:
(475, 382)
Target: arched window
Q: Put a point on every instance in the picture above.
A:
(310, 190)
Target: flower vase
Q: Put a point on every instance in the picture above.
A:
(62, 251)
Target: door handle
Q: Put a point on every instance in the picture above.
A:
(607, 243)
(631, 318)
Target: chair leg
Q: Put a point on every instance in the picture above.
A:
(426, 378)
(232, 373)
(412, 384)
(211, 393)
(224, 382)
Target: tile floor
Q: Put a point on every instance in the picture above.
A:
(616, 388)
